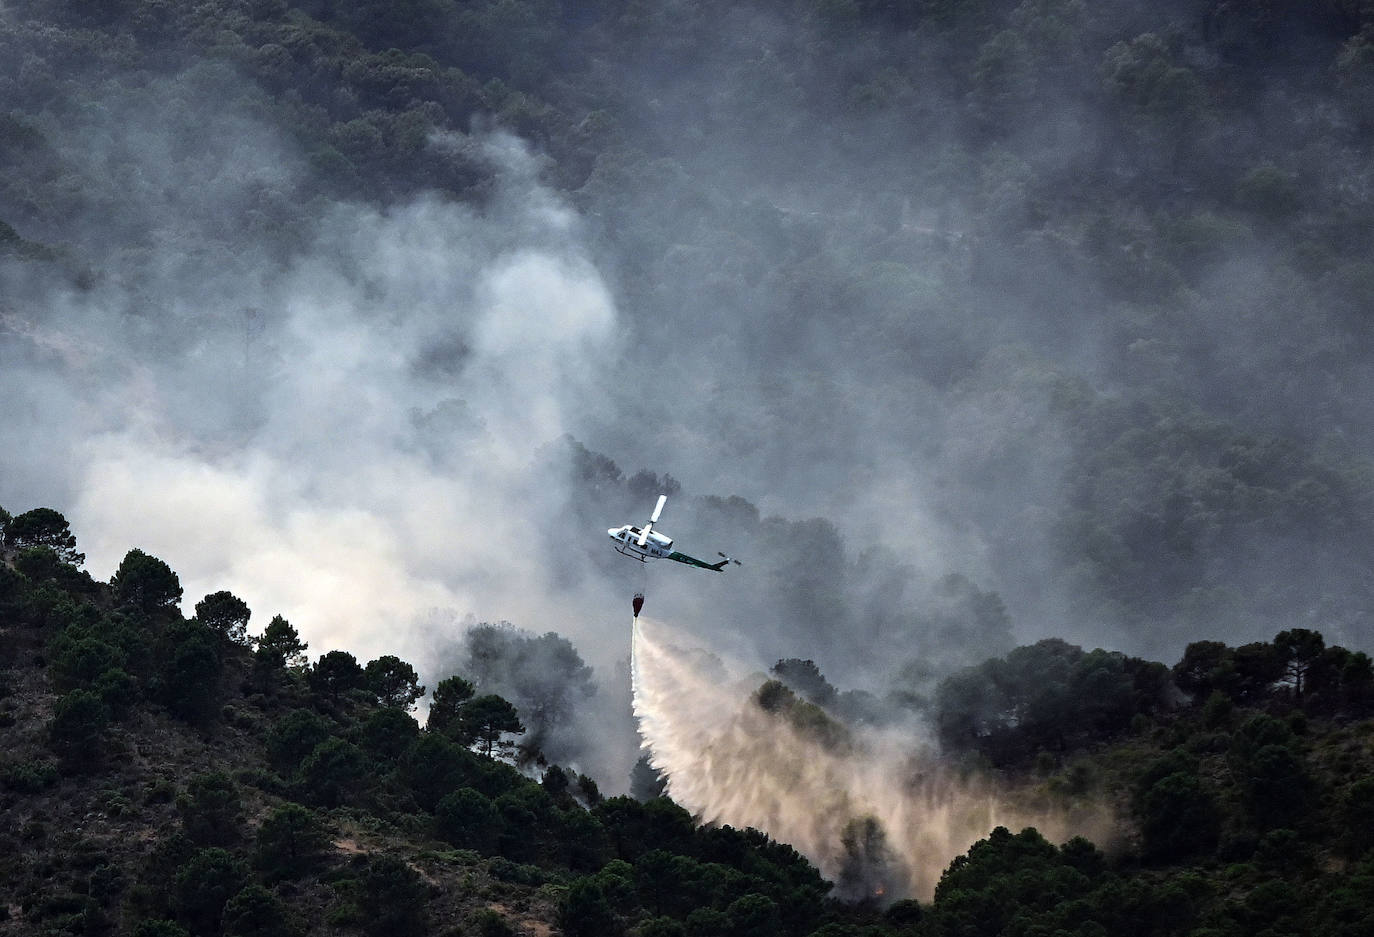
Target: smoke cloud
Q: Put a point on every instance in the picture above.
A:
(961, 363)
(340, 420)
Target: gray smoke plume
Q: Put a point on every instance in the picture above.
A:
(337, 418)
(845, 281)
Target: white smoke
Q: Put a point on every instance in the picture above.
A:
(883, 816)
(349, 433)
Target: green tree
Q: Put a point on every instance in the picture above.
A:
(387, 733)
(1299, 649)
(1165, 96)
(704, 921)
(226, 615)
(77, 657)
(256, 912)
(753, 915)
(587, 788)
(1254, 669)
(145, 583)
(485, 720)
(1179, 818)
(525, 813)
(1045, 696)
(290, 843)
(636, 828)
(210, 809)
(1005, 883)
(280, 646)
(1278, 786)
(336, 674)
(903, 915)
(556, 783)
(333, 773)
(542, 675)
(583, 840)
(807, 718)
(1357, 684)
(42, 564)
(867, 860)
(205, 884)
(468, 819)
(394, 24)
(295, 736)
(43, 527)
(661, 883)
(433, 767)
(646, 782)
(118, 690)
(805, 678)
(1270, 771)
(78, 725)
(444, 710)
(394, 682)
(394, 899)
(188, 678)
(13, 588)
(1355, 818)
(585, 911)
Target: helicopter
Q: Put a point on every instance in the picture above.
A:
(645, 543)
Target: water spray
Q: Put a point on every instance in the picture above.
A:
(879, 812)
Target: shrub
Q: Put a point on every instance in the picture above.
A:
(209, 809)
(290, 844)
(30, 777)
(206, 883)
(393, 898)
(78, 725)
(468, 819)
(256, 912)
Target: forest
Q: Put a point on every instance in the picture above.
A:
(166, 775)
(1019, 348)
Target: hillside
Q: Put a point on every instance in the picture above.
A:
(1017, 348)
(169, 775)
(159, 768)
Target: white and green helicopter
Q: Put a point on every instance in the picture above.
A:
(645, 543)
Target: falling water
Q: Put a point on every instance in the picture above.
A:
(883, 816)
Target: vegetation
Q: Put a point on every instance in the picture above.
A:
(224, 796)
(1191, 178)
(282, 804)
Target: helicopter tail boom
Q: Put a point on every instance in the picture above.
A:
(701, 564)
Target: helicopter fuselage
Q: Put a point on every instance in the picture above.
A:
(655, 545)
(645, 543)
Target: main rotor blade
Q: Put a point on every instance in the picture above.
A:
(658, 509)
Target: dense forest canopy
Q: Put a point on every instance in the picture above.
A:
(1018, 347)
(966, 325)
(167, 775)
